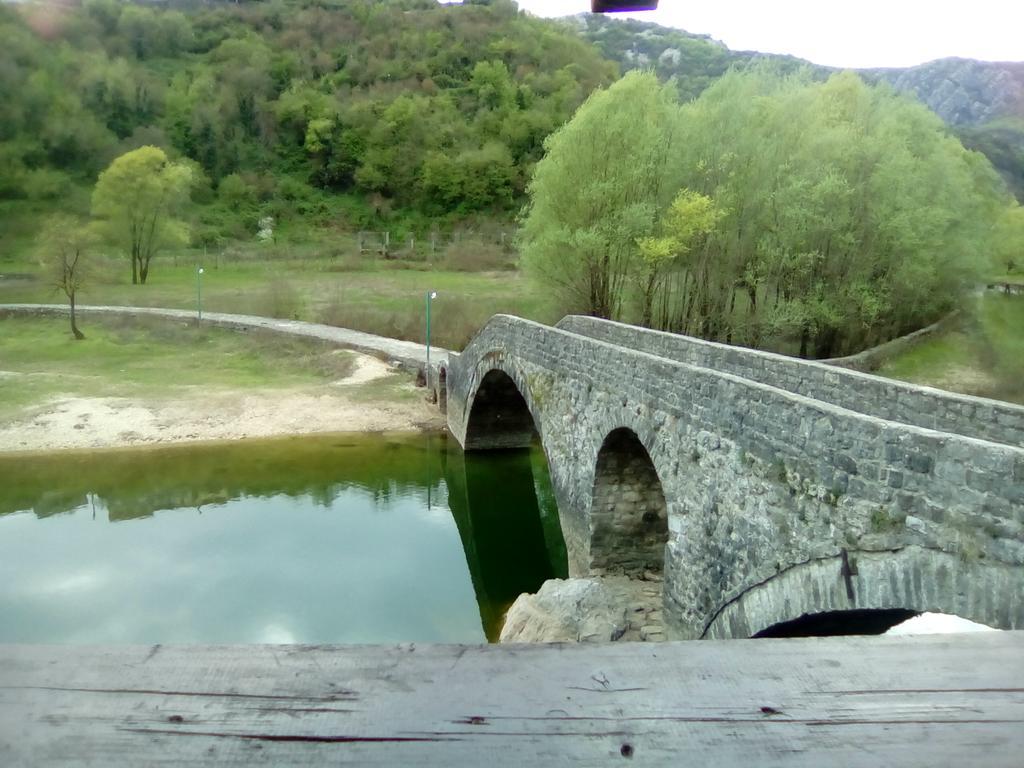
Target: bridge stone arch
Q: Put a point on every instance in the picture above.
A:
(499, 416)
(492, 406)
(498, 401)
(914, 578)
(628, 511)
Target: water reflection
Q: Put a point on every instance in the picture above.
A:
(351, 539)
(512, 542)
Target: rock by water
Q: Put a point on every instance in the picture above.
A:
(592, 610)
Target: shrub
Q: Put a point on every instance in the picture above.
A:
(281, 300)
(45, 184)
(235, 192)
(454, 323)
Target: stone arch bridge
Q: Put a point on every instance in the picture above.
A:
(765, 487)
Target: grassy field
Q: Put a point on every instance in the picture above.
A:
(138, 358)
(983, 355)
(311, 273)
(384, 297)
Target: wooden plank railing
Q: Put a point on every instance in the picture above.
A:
(954, 700)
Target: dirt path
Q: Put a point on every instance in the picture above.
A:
(408, 354)
(365, 401)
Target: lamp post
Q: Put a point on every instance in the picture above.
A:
(199, 294)
(430, 295)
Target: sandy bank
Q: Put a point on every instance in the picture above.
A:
(348, 405)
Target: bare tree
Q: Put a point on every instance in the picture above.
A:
(63, 256)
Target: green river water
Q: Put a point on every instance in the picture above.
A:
(335, 539)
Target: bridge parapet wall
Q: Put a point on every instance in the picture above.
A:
(894, 400)
(757, 479)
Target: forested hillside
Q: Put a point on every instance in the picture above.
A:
(983, 101)
(961, 91)
(294, 109)
(694, 61)
(1002, 142)
(307, 109)
(755, 200)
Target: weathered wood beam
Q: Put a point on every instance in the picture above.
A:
(926, 701)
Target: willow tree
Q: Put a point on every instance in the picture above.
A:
(850, 213)
(604, 179)
(1009, 239)
(136, 204)
(684, 228)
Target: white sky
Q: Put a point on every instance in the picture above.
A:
(865, 33)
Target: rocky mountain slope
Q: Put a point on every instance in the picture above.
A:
(962, 91)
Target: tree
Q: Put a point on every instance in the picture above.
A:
(818, 217)
(598, 191)
(358, 95)
(850, 214)
(687, 222)
(1009, 239)
(63, 254)
(140, 27)
(135, 204)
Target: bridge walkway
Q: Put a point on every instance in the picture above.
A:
(410, 355)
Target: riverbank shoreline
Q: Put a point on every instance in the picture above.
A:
(360, 403)
(153, 377)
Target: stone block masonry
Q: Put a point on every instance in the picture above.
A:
(872, 395)
(760, 474)
(628, 506)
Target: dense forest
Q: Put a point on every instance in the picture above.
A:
(402, 104)
(772, 210)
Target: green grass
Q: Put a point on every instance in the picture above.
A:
(931, 358)
(983, 355)
(311, 273)
(1003, 319)
(374, 296)
(130, 357)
